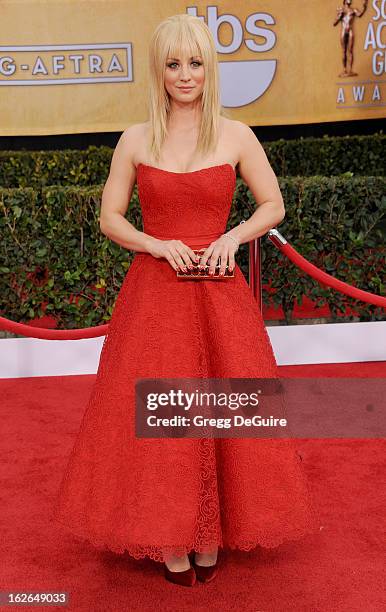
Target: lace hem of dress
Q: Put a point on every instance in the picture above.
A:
(160, 553)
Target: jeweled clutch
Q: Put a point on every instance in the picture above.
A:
(196, 274)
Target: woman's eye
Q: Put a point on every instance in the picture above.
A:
(175, 64)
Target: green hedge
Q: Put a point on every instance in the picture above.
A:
(327, 156)
(54, 254)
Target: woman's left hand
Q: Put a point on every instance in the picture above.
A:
(224, 248)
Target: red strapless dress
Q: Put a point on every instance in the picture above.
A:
(155, 497)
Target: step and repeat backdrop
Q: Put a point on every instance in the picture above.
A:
(71, 66)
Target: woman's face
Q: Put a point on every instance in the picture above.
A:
(184, 77)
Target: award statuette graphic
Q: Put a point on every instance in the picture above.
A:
(346, 15)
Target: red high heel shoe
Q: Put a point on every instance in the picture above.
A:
(185, 578)
(206, 573)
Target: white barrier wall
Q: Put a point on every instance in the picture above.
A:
(292, 344)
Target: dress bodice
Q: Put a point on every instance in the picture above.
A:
(190, 206)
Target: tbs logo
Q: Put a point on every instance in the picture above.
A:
(242, 81)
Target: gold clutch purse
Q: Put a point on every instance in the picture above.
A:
(195, 273)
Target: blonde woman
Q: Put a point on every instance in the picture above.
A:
(178, 500)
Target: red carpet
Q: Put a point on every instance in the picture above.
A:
(342, 569)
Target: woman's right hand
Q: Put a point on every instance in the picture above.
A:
(178, 254)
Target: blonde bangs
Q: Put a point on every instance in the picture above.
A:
(180, 41)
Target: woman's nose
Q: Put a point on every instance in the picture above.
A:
(185, 74)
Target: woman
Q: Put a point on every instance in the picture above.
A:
(166, 498)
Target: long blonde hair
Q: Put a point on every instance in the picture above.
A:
(183, 33)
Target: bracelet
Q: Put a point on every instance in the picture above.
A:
(237, 243)
(234, 239)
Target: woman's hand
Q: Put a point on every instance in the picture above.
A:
(178, 254)
(223, 248)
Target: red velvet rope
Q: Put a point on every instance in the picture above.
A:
(321, 276)
(279, 241)
(52, 334)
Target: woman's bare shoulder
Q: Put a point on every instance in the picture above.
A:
(232, 125)
(133, 139)
(135, 130)
(237, 128)
(236, 134)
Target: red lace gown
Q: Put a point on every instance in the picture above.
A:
(155, 497)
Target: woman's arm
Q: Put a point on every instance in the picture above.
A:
(256, 171)
(117, 194)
